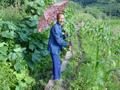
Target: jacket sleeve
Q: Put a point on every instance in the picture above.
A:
(58, 38)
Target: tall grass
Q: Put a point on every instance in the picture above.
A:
(100, 48)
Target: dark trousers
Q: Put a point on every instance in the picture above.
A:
(56, 66)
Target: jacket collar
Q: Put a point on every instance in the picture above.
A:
(58, 23)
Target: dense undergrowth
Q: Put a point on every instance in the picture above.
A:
(96, 66)
(98, 69)
(23, 50)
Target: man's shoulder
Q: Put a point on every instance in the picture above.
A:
(55, 26)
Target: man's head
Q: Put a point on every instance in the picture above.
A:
(60, 18)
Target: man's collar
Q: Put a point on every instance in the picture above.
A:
(58, 23)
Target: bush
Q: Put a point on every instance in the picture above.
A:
(97, 68)
(24, 47)
(7, 78)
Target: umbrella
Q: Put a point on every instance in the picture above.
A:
(50, 14)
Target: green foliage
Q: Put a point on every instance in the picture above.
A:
(118, 1)
(23, 47)
(112, 9)
(85, 2)
(101, 8)
(24, 55)
(10, 79)
(35, 8)
(94, 11)
(6, 3)
(7, 78)
(15, 10)
(11, 14)
(12, 55)
(99, 45)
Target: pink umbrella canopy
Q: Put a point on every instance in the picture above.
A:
(50, 14)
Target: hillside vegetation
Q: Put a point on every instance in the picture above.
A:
(25, 62)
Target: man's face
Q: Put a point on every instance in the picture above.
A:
(61, 19)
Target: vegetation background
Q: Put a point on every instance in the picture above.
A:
(25, 63)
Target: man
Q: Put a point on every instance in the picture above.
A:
(55, 44)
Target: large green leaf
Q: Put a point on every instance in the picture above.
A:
(11, 26)
(3, 44)
(12, 56)
(19, 49)
(36, 56)
(28, 80)
(8, 34)
(32, 46)
(32, 22)
(3, 57)
(3, 50)
(44, 52)
(23, 36)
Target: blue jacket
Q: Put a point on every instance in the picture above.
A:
(56, 41)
